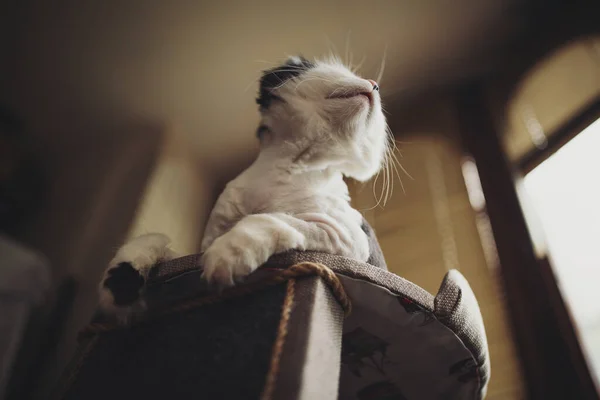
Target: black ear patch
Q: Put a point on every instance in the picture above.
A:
(275, 77)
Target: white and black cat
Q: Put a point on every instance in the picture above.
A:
(320, 122)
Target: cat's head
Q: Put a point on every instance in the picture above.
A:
(324, 116)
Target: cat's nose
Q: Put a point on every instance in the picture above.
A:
(375, 85)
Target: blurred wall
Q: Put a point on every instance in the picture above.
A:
(178, 197)
(94, 179)
(104, 189)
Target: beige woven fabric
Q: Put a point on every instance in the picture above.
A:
(457, 308)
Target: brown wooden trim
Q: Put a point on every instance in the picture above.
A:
(560, 137)
(550, 354)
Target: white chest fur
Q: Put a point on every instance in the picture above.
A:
(313, 204)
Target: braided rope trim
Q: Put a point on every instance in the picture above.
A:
(295, 271)
(282, 331)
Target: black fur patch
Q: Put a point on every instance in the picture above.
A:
(275, 77)
(261, 131)
(125, 283)
(365, 227)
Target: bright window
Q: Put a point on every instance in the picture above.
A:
(564, 193)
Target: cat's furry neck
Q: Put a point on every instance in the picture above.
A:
(282, 166)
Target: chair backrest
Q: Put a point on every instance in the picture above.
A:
(398, 342)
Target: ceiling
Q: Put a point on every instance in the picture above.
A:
(195, 64)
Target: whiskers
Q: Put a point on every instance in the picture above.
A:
(389, 172)
(392, 169)
(382, 66)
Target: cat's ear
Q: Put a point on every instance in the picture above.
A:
(299, 61)
(276, 77)
(293, 67)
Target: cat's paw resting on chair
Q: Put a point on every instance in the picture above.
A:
(123, 283)
(248, 245)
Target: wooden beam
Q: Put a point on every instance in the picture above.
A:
(553, 364)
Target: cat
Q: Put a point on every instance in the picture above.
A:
(320, 122)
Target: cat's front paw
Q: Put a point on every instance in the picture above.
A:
(125, 284)
(121, 288)
(229, 261)
(254, 239)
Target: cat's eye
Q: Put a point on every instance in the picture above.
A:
(261, 131)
